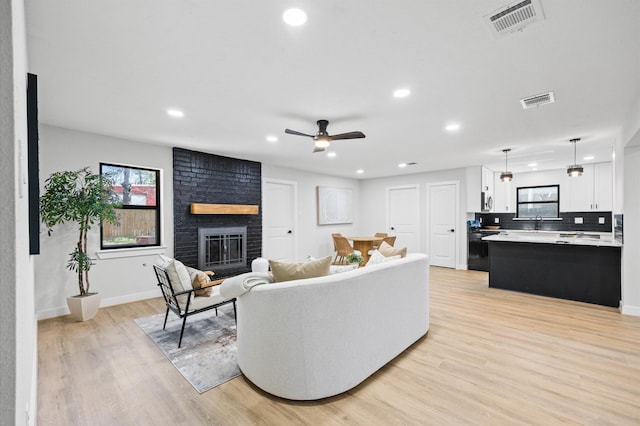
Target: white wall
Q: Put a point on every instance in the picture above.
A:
(118, 280)
(631, 211)
(314, 239)
(18, 326)
(373, 193)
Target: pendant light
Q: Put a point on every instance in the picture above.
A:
(576, 169)
(506, 176)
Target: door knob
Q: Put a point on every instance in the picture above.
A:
(289, 231)
(452, 230)
(393, 229)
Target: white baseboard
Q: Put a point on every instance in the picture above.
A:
(630, 310)
(128, 298)
(111, 301)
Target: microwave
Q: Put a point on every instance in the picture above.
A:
(486, 201)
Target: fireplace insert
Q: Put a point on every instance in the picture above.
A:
(222, 248)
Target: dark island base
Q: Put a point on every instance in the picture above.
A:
(573, 272)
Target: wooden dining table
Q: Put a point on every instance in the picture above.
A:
(364, 244)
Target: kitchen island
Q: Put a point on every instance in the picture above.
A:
(573, 266)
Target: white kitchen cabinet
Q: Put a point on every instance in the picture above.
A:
(603, 187)
(479, 181)
(590, 192)
(487, 180)
(504, 195)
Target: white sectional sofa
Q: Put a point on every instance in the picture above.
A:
(317, 337)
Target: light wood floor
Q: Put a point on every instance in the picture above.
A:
(491, 357)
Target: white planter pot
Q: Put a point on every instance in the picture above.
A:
(84, 308)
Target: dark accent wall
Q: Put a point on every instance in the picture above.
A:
(589, 219)
(206, 178)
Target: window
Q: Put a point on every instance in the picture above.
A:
(138, 189)
(543, 201)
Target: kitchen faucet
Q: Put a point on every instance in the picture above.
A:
(538, 220)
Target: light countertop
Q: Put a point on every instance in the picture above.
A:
(598, 239)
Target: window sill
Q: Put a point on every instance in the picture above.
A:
(130, 252)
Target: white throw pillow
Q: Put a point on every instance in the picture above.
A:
(179, 276)
(377, 257)
(163, 261)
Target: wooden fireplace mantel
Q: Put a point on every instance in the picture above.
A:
(223, 209)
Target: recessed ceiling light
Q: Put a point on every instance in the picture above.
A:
(402, 165)
(294, 17)
(175, 113)
(532, 164)
(271, 138)
(589, 157)
(452, 127)
(401, 93)
(359, 171)
(331, 154)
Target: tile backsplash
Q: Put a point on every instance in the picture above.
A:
(570, 221)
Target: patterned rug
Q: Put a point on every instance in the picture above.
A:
(208, 355)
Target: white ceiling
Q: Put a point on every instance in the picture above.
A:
(240, 74)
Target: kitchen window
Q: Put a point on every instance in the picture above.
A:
(538, 201)
(138, 189)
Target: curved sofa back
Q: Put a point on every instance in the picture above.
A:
(317, 337)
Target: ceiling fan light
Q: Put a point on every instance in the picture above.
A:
(506, 176)
(575, 170)
(322, 143)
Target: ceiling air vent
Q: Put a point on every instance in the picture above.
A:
(514, 17)
(537, 100)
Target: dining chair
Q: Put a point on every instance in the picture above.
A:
(391, 240)
(343, 249)
(333, 237)
(378, 235)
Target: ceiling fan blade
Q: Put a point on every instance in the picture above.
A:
(349, 135)
(295, 132)
(318, 149)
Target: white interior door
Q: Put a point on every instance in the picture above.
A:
(442, 224)
(278, 220)
(403, 217)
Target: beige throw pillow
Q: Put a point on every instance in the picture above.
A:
(295, 271)
(388, 250)
(198, 279)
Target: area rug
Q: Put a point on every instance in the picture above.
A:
(208, 356)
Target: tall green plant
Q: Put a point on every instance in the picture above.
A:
(82, 197)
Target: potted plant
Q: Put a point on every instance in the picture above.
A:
(86, 199)
(354, 257)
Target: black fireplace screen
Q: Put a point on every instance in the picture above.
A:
(222, 248)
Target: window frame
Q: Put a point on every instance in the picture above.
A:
(157, 208)
(518, 202)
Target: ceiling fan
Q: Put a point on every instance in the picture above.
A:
(322, 138)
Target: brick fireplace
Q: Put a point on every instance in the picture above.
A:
(212, 179)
